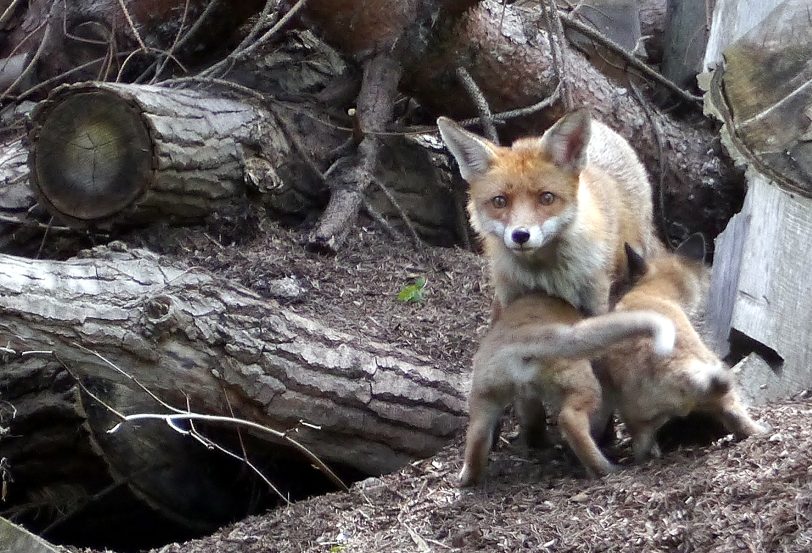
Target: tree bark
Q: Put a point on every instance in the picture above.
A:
(185, 333)
(103, 151)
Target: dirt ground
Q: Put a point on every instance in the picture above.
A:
(754, 495)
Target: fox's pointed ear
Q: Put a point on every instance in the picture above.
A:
(693, 247)
(566, 141)
(473, 153)
(637, 265)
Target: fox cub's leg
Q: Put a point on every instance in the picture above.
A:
(532, 417)
(733, 415)
(484, 416)
(644, 437)
(576, 411)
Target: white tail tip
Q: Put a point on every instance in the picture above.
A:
(665, 334)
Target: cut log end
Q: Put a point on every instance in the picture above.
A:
(92, 158)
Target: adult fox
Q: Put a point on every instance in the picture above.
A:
(555, 211)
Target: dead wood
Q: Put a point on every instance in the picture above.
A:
(186, 334)
(97, 39)
(376, 101)
(102, 152)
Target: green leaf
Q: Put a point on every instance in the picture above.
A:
(338, 548)
(413, 292)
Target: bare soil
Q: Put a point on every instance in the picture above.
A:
(754, 495)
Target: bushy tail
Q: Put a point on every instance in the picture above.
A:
(708, 377)
(592, 336)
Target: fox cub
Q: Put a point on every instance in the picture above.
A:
(648, 390)
(554, 212)
(535, 354)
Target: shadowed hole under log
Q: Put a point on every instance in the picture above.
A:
(118, 516)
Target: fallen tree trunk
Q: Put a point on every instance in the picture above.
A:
(187, 335)
(101, 152)
(104, 154)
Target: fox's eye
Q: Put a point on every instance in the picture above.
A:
(499, 202)
(547, 198)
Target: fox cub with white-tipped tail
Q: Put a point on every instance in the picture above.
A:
(554, 211)
(648, 390)
(536, 354)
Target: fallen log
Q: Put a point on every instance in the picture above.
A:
(193, 339)
(104, 154)
(103, 151)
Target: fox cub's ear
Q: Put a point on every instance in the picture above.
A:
(637, 265)
(565, 142)
(473, 153)
(693, 247)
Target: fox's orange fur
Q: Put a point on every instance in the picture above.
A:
(535, 354)
(648, 390)
(554, 212)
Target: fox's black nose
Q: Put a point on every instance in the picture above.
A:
(520, 236)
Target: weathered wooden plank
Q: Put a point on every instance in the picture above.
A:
(15, 538)
(731, 20)
(760, 291)
(686, 33)
(766, 83)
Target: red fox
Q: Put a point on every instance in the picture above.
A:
(535, 354)
(554, 212)
(649, 390)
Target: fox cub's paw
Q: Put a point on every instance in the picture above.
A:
(465, 478)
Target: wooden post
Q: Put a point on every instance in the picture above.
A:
(760, 298)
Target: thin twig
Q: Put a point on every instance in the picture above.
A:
(633, 61)
(128, 376)
(292, 137)
(241, 53)
(185, 38)
(87, 501)
(417, 243)
(220, 82)
(8, 12)
(37, 54)
(67, 73)
(169, 419)
(132, 25)
(172, 48)
(35, 224)
(520, 112)
(557, 49)
(655, 126)
(185, 415)
(245, 454)
(482, 107)
(44, 237)
(393, 233)
(82, 384)
(147, 51)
